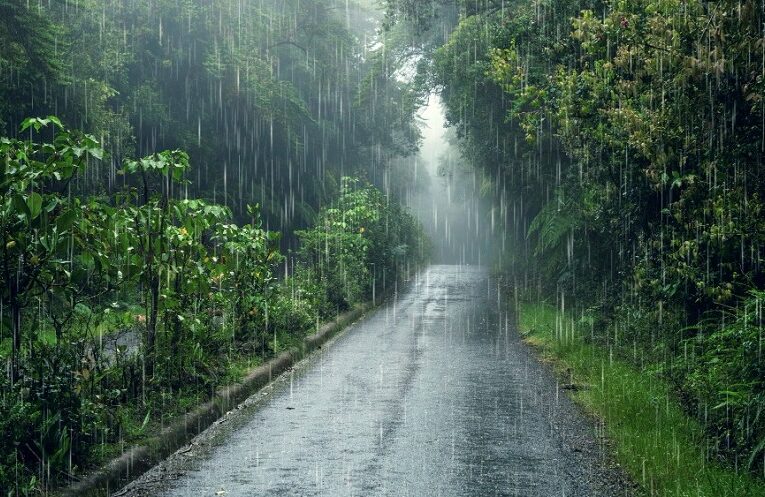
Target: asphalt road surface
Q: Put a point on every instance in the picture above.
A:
(434, 394)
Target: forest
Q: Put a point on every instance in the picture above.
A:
(188, 188)
(624, 145)
(196, 197)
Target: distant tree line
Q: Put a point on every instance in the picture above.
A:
(273, 100)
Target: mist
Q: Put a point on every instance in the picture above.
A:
(382, 247)
(447, 199)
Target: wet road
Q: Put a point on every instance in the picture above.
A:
(434, 394)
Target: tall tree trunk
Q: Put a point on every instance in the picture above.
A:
(16, 330)
(151, 326)
(11, 283)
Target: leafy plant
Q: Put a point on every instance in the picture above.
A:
(37, 221)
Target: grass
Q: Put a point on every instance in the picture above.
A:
(110, 323)
(239, 366)
(662, 449)
(138, 422)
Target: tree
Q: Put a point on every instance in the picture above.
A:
(30, 58)
(150, 227)
(37, 219)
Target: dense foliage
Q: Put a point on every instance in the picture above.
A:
(132, 288)
(120, 310)
(261, 95)
(362, 237)
(624, 141)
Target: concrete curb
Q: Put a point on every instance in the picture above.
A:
(137, 460)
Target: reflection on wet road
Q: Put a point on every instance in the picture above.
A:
(431, 395)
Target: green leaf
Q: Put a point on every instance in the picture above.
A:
(87, 261)
(55, 120)
(51, 205)
(21, 208)
(96, 152)
(30, 122)
(177, 174)
(145, 421)
(66, 220)
(755, 453)
(83, 310)
(130, 167)
(34, 202)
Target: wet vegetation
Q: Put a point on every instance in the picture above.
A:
(222, 176)
(273, 100)
(211, 205)
(123, 309)
(624, 146)
(640, 417)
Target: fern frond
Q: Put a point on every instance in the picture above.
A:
(551, 226)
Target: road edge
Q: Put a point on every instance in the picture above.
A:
(138, 459)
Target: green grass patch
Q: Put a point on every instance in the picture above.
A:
(662, 448)
(238, 367)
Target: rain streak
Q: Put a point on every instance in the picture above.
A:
(382, 248)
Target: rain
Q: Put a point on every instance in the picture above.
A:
(382, 247)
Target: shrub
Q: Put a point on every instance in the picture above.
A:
(726, 376)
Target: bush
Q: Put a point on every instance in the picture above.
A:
(726, 377)
(359, 241)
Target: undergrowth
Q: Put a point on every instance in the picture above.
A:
(663, 449)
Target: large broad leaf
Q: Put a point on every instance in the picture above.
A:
(56, 121)
(21, 208)
(66, 220)
(178, 173)
(96, 152)
(51, 205)
(34, 122)
(34, 202)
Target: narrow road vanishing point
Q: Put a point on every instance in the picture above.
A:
(432, 395)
